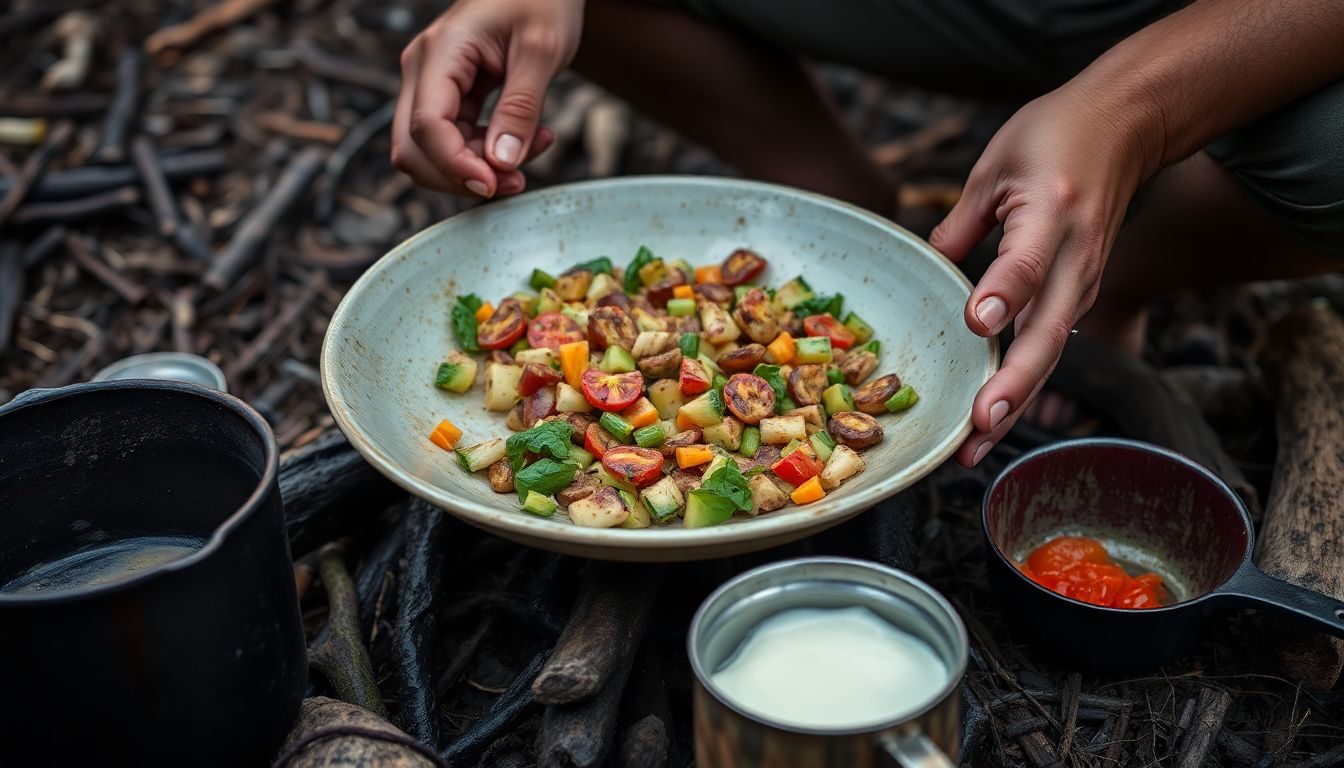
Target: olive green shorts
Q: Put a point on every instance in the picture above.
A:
(1290, 161)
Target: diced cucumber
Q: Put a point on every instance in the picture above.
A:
(792, 446)
(822, 444)
(663, 499)
(727, 433)
(619, 483)
(665, 394)
(718, 383)
(651, 436)
(835, 375)
(481, 455)
(602, 285)
(903, 399)
(549, 302)
(617, 360)
(456, 374)
(681, 307)
(837, 398)
(576, 313)
(580, 457)
(690, 345)
(709, 363)
(862, 331)
(570, 400)
(705, 410)
(785, 404)
(715, 464)
(618, 427)
(520, 345)
(704, 508)
(751, 441)
(528, 301)
(540, 279)
(813, 349)
(536, 504)
(542, 355)
(793, 293)
(873, 346)
(639, 514)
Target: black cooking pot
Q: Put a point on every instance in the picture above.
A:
(198, 660)
(1152, 508)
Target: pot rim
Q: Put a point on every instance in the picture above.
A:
(1143, 447)
(221, 532)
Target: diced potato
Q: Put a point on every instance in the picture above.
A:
(543, 356)
(779, 430)
(813, 415)
(601, 509)
(501, 385)
(766, 496)
(665, 394)
(570, 400)
(573, 286)
(718, 326)
(727, 433)
(602, 285)
(650, 343)
(725, 348)
(844, 463)
(646, 321)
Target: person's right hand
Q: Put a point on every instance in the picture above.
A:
(448, 70)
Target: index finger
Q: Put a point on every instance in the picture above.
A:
(445, 74)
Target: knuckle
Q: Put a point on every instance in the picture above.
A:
(419, 124)
(519, 105)
(1057, 329)
(541, 41)
(1064, 193)
(1028, 266)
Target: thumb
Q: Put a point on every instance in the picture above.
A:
(518, 111)
(968, 222)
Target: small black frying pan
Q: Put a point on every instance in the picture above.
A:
(1155, 510)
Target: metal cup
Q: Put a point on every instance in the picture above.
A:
(726, 735)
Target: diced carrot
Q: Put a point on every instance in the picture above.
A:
(684, 421)
(641, 413)
(693, 455)
(445, 435)
(487, 309)
(709, 274)
(683, 292)
(573, 362)
(808, 492)
(781, 350)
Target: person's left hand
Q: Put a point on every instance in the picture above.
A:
(1058, 176)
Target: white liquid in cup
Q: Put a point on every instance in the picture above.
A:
(831, 669)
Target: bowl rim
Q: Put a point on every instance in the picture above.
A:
(1137, 446)
(496, 517)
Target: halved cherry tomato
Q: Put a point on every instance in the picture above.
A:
(612, 391)
(1058, 554)
(551, 329)
(597, 440)
(825, 325)
(741, 266)
(798, 467)
(694, 378)
(506, 326)
(535, 376)
(640, 466)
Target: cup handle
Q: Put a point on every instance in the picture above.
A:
(913, 749)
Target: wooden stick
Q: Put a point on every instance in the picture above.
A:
(89, 180)
(1068, 711)
(1210, 711)
(603, 632)
(172, 225)
(215, 17)
(34, 166)
(43, 246)
(1112, 754)
(328, 490)
(294, 128)
(256, 228)
(331, 733)
(646, 742)
(372, 125)
(12, 281)
(350, 71)
(1302, 540)
(121, 113)
(580, 734)
(415, 634)
(512, 706)
(85, 254)
(342, 657)
(284, 323)
(78, 209)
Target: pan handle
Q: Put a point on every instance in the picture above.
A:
(1252, 586)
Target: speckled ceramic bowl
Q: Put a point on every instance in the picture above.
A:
(391, 331)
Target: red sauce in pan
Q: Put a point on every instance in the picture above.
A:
(1081, 568)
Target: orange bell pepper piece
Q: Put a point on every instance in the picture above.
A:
(709, 274)
(573, 362)
(485, 312)
(445, 435)
(808, 492)
(641, 413)
(693, 455)
(683, 292)
(781, 350)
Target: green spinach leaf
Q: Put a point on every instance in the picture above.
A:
(464, 321)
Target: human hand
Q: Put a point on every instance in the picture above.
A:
(1059, 176)
(448, 70)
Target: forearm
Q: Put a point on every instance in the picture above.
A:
(1191, 77)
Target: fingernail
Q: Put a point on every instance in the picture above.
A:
(507, 148)
(997, 413)
(477, 187)
(980, 452)
(992, 312)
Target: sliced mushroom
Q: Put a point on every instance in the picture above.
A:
(686, 481)
(719, 328)
(857, 367)
(749, 397)
(756, 316)
(873, 396)
(790, 321)
(719, 294)
(612, 327)
(583, 486)
(807, 382)
(683, 439)
(500, 475)
(615, 299)
(514, 420)
(664, 365)
(679, 325)
(650, 343)
(742, 359)
(573, 286)
(856, 430)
